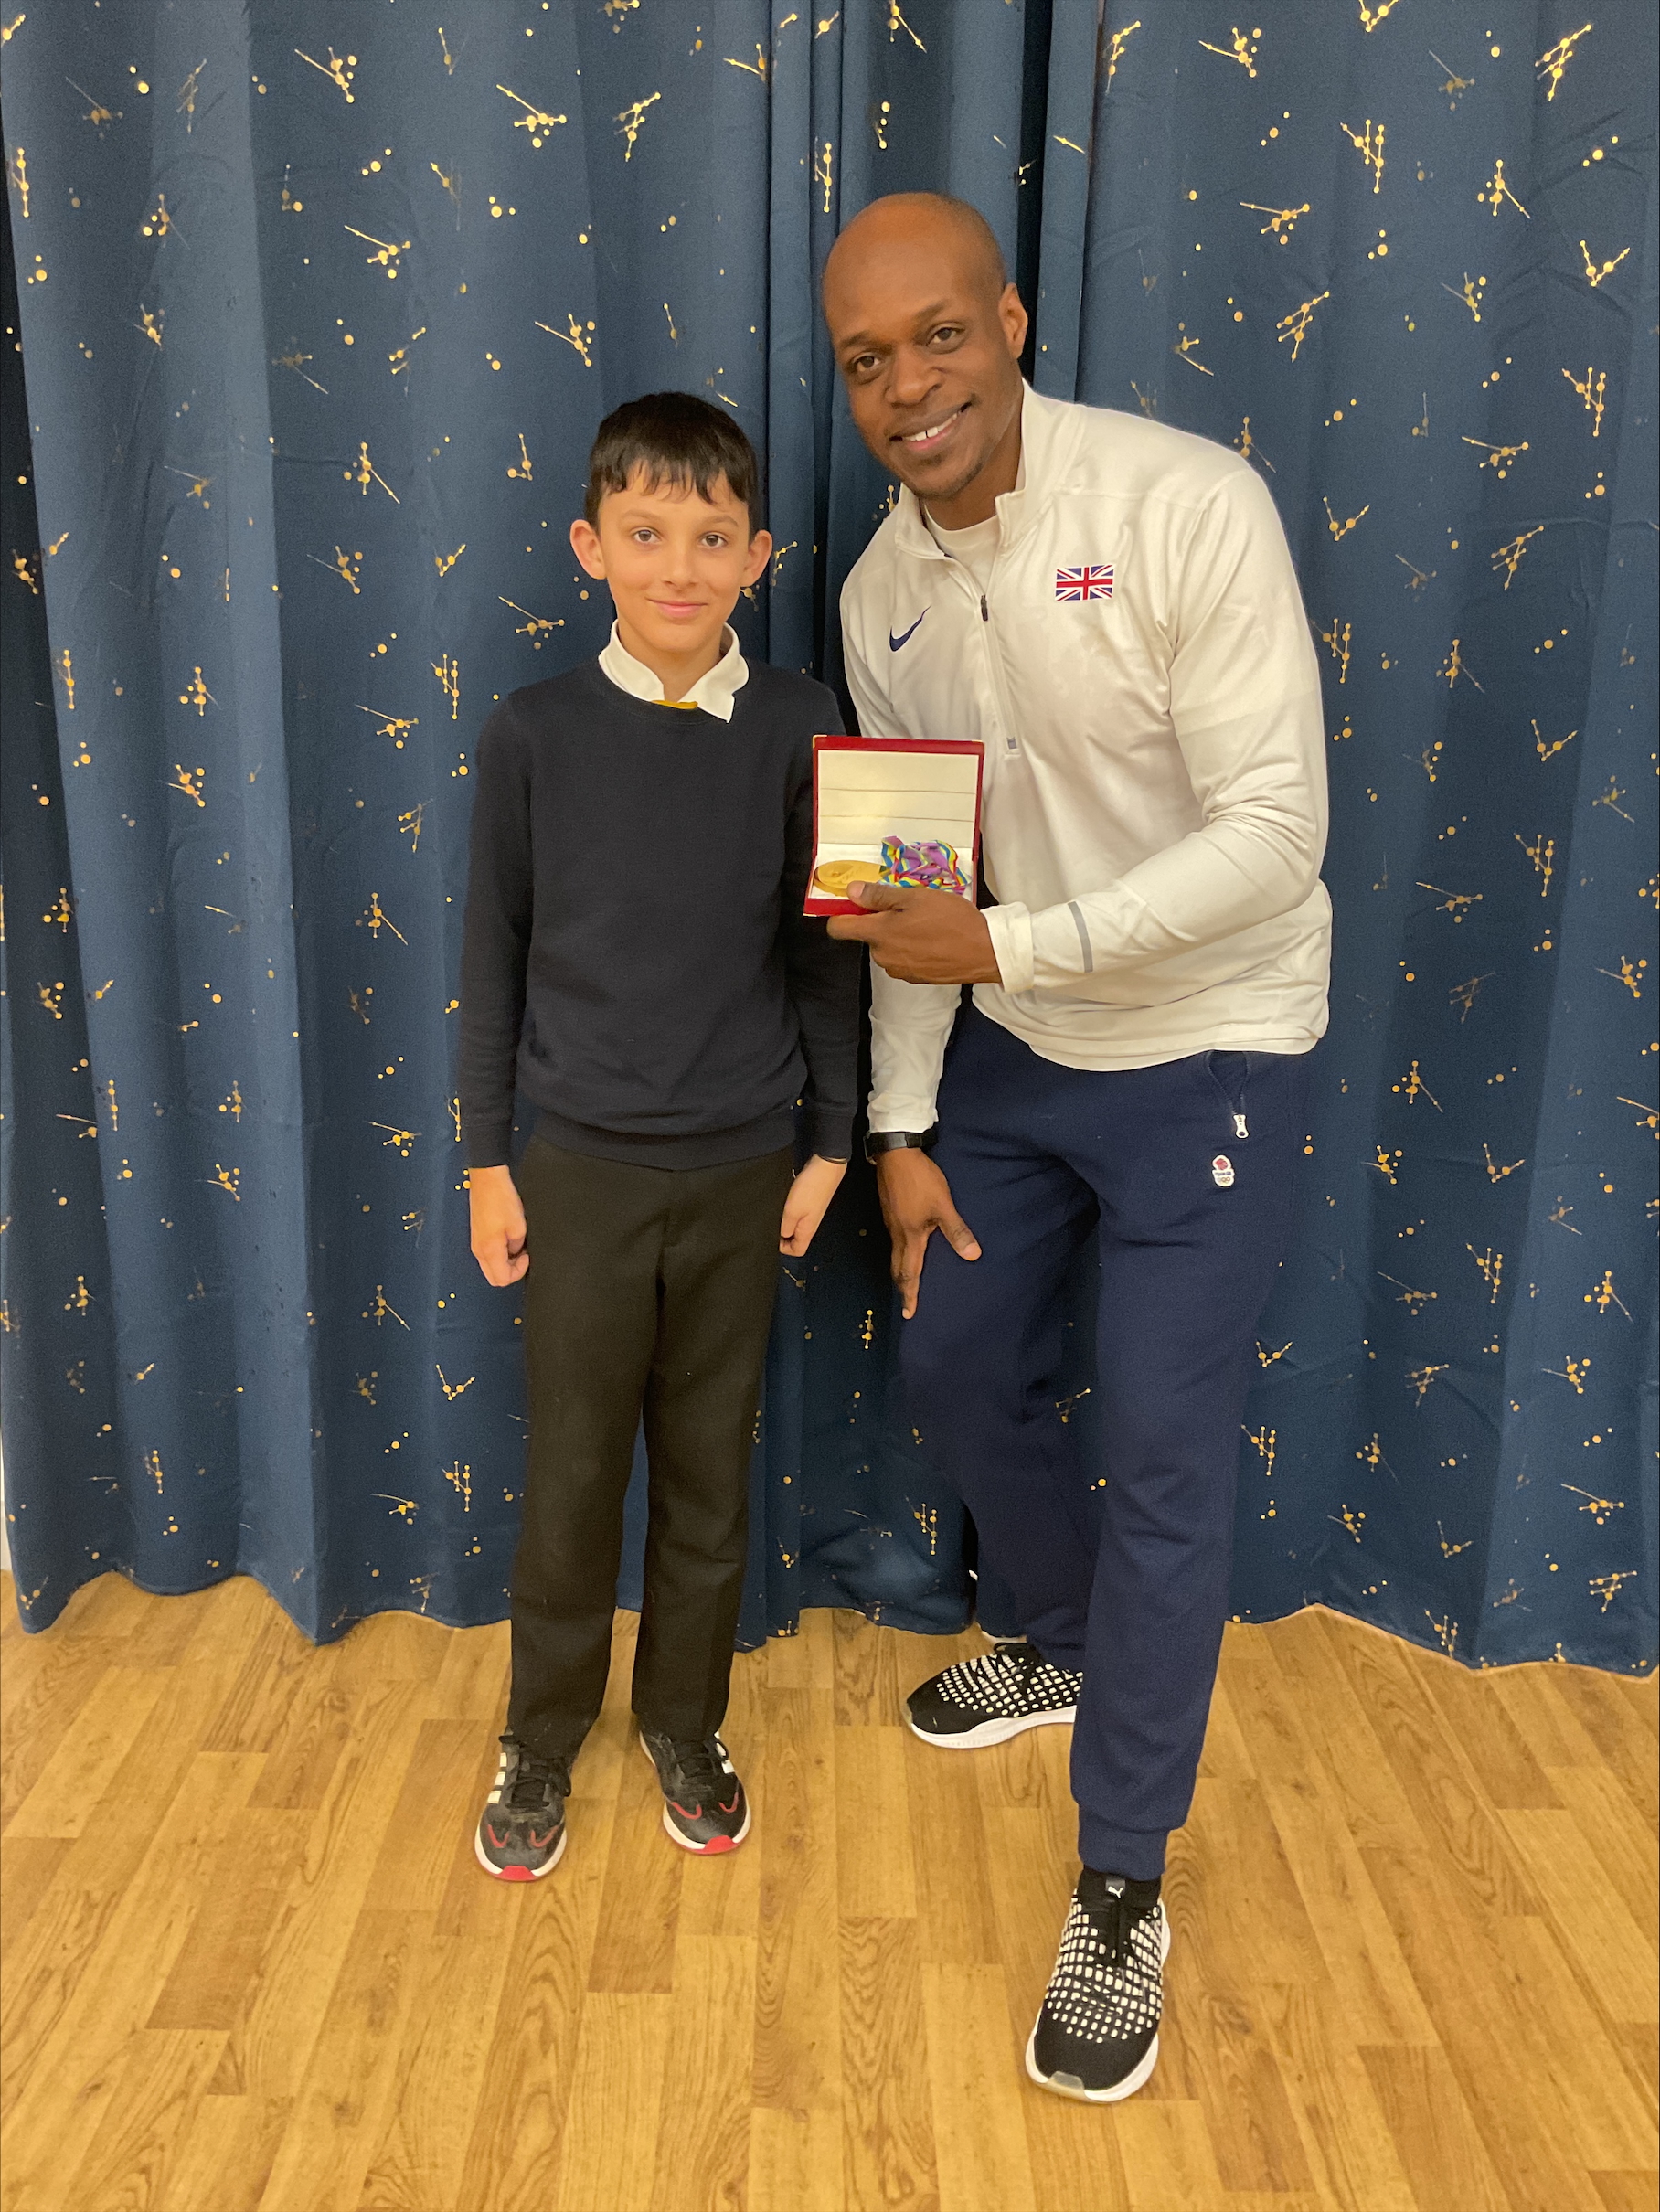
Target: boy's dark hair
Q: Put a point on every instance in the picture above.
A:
(673, 438)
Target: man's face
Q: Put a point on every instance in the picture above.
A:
(930, 356)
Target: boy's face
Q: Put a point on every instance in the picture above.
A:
(674, 560)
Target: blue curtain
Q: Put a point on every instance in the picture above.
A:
(316, 323)
(1417, 289)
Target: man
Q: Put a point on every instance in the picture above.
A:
(1110, 606)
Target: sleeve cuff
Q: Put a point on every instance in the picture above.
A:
(828, 1133)
(918, 1116)
(489, 1145)
(1011, 935)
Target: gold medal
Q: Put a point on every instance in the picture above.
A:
(833, 876)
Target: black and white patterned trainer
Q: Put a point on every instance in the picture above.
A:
(988, 1699)
(1097, 2036)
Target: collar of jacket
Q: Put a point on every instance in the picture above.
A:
(1048, 437)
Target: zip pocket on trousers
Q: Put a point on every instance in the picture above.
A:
(1230, 1072)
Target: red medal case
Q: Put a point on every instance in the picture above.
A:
(868, 789)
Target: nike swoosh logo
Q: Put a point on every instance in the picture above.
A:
(895, 642)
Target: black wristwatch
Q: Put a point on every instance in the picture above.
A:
(878, 1141)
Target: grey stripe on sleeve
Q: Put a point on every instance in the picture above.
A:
(1083, 937)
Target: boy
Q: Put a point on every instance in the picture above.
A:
(635, 959)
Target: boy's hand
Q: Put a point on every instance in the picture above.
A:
(498, 1224)
(916, 1200)
(920, 937)
(810, 1194)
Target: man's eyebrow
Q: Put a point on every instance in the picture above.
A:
(934, 309)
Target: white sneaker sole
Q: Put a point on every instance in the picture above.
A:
(998, 1732)
(703, 1850)
(1069, 2085)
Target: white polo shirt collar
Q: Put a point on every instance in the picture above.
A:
(713, 693)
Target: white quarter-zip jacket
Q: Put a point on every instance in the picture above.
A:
(1139, 671)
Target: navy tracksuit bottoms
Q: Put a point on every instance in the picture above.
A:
(1118, 1562)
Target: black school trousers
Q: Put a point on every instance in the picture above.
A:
(649, 1298)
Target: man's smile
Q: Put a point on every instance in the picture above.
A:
(925, 439)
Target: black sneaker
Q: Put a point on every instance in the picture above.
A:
(703, 1807)
(521, 1831)
(989, 1700)
(1097, 2036)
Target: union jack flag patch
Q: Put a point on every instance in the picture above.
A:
(1093, 581)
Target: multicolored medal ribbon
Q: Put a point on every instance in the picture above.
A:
(927, 865)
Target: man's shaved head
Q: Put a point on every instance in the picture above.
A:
(928, 330)
(933, 219)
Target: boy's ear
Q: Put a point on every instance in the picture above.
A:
(759, 553)
(585, 545)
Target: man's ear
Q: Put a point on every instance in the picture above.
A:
(585, 545)
(1013, 317)
(759, 553)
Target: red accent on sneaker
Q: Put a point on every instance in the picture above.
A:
(717, 1843)
(499, 1841)
(731, 1804)
(513, 1873)
(695, 1813)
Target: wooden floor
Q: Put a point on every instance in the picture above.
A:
(250, 1961)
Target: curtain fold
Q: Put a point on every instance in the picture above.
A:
(310, 340)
